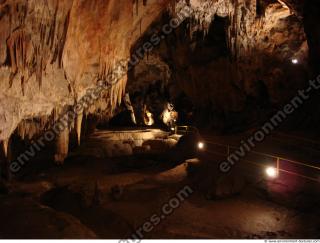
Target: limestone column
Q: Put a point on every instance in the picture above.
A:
(62, 146)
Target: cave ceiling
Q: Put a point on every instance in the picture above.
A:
(53, 51)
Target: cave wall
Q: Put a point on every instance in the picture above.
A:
(231, 53)
(53, 51)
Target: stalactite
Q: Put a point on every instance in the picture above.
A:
(30, 51)
(18, 44)
(4, 164)
(28, 129)
(79, 126)
(62, 147)
(137, 7)
(5, 147)
(63, 39)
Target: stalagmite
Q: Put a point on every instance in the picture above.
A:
(78, 126)
(62, 147)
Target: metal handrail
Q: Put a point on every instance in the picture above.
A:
(278, 160)
(270, 156)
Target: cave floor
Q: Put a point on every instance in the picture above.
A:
(105, 198)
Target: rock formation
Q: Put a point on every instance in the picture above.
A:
(53, 51)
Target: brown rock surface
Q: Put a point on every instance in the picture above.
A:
(52, 52)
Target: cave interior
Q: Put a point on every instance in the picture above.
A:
(88, 151)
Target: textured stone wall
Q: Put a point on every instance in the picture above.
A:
(53, 51)
(231, 53)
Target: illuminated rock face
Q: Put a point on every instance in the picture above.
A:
(119, 143)
(52, 52)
